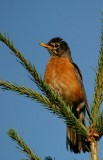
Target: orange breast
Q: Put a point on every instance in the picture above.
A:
(61, 77)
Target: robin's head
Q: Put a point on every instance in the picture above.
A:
(57, 47)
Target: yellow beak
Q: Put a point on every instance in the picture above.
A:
(45, 45)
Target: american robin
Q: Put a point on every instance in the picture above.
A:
(64, 77)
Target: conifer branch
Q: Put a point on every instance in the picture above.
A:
(25, 91)
(27, 65)
(22, 145)
(98, 90)
(99, 125)
(61, 110)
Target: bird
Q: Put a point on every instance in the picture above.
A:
(64, 77)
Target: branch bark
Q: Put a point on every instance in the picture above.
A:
(94, 150)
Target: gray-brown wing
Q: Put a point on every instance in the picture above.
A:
(80, 79)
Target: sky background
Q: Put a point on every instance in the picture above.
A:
(28, 22)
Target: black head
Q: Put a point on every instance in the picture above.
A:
(57, 47)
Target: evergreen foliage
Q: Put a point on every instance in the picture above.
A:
(52, 102)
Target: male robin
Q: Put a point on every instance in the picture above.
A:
(64, 77)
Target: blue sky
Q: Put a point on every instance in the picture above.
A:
(27, 23)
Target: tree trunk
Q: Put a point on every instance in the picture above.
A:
(94, 150)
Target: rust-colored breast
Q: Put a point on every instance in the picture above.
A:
(61, 77)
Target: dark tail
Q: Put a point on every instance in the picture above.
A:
(76, 141)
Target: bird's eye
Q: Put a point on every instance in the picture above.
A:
(56, 45)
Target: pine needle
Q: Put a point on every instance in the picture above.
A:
(98, 90)
(23, 146)
(99, 125)
(60, 108)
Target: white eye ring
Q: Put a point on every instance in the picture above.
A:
(55, 45)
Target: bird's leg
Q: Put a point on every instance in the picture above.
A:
(80, 107)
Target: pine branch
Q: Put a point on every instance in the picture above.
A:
(27, 65)
(99, 125)
(25, 91)
(23, 146)
(61, 110)
(98, 90)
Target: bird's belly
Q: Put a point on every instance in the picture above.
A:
(63, 80)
